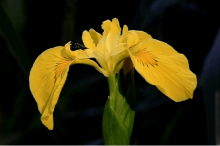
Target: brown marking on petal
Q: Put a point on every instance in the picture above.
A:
(60, 66)
(146, 58)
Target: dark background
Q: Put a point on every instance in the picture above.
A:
(189, 26)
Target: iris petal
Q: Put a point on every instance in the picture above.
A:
(48, 75)
(106, 26)
(95, 36)
(94, 50)
(88, 41)
(113, 35)
(47, 78)
(162, 66)
(123, 38)
(132, 38)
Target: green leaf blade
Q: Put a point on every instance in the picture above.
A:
(114, 131)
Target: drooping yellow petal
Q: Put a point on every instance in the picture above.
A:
(60, 67)
(162, 66)
(95, 36)
(67, 51)
(113, 35)
(47, 78)
(48, 75)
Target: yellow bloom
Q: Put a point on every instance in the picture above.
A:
(157, 62)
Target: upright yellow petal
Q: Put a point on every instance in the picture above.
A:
(113, 35)
(132, 38)
(160, 65)
(47, 78)
(88, 41)
(95, 36)
(123, 38)
(91, 41)
(106, 26)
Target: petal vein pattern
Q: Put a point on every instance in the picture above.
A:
(61, 65)
(145, 57)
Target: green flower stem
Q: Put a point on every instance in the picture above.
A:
(112, 90)
(118, 116)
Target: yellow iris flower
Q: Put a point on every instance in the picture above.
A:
(157, 62)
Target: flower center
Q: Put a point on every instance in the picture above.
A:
(145, 57)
